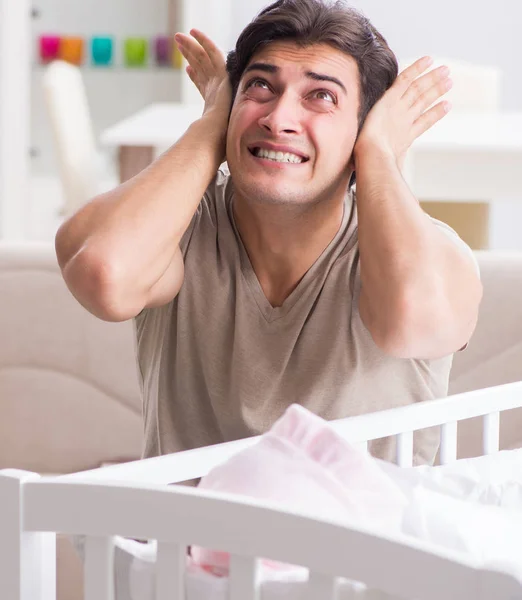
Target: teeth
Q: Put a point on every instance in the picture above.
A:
(287, 157)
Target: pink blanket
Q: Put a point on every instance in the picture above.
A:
(304, 465)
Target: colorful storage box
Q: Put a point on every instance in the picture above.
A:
(135, 52)
(49, 47)
(102, 51)
(163, 51)
(72, 50)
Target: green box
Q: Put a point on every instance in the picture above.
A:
(135, 52)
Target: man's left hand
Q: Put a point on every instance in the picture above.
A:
(404, 113)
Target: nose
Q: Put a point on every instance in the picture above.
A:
(283, 116)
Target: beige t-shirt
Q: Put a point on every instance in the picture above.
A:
(220, 363)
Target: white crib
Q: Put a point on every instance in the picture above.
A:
(132, 500)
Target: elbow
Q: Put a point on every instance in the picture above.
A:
(63, 244)
(70, 235)
(95, 282)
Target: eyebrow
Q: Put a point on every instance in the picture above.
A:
(320, 77)
(269, 68)
(260, 66)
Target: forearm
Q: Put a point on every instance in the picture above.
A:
(134, 230)
(418, 287)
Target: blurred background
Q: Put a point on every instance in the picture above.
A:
(122, 51)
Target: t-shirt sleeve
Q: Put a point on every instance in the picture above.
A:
(206, 210)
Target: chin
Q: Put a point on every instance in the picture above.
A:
(274, 195)
(267, 190)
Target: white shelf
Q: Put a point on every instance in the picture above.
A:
(118, 69)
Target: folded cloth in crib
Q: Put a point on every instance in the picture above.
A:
(494, 479)
(472, 505)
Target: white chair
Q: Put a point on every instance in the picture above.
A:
(80, 164)
(476, 88)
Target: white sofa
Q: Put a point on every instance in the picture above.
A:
(69, 393)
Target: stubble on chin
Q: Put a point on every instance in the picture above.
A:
(270, 196)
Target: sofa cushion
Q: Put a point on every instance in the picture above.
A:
(69, 389)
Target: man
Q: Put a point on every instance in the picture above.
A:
(277, 283)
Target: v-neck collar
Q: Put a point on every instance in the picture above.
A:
(273, 313)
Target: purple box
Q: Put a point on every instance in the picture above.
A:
(163, 50)
(49, 47)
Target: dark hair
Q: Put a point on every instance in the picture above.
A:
(309, 22)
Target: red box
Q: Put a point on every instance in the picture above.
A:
(49, 48)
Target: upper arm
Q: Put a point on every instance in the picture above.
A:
(168, 285)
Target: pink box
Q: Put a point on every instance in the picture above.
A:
(49, 47)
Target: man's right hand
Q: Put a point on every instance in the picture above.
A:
(208, 72)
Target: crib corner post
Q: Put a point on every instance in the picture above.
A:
(27, 558)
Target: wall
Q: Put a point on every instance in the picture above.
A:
(113, 93)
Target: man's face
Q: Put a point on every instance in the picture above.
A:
(294, 124)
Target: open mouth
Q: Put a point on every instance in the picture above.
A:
(278, 156)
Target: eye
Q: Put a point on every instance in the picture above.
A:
(325, 95)
(257, 83)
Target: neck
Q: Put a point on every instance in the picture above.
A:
(283, 242)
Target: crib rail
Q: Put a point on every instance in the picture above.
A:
(399, 422)
(446, 412)
(247, 529)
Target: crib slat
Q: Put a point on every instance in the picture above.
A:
(171, 563)
(405, 449)
(321, 586)
(99, 568)
(448, 443)
(243, 579)
(491, 433)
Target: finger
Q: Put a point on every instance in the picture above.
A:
(216, 56)
(191, 73)
(193, 52)
(193, 77)
(431, 95)
(189, 48)
(422, 84)
(430, 117)
(409, 74)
